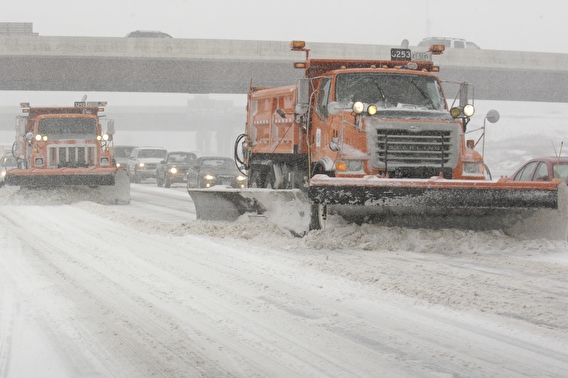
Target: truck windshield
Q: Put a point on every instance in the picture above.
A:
(68, 128)
(390, 90)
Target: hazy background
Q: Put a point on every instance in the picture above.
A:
(525, 129)
(497, 25)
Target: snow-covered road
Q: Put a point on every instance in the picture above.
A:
(145, 290)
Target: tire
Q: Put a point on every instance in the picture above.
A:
(318, 169)
(136, 178)
(270, 179)
(167, 182)
(159, 181)
(318, 217)
(255, 180)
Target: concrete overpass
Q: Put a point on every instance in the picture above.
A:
(40, 63)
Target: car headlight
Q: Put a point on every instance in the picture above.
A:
(173, 170)
(354, 165)
(209, 177)
(241, 178)
(38, 162)
(141, 165)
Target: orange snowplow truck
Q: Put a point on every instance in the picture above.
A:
(66, 146)
(369, 139)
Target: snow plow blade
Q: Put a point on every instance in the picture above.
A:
(104, 185)
(60, 177)
(288, 208)
(534, 209)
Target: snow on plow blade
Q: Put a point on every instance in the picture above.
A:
(288, 208)
(105, 185)
(59, 177)
(534, 209)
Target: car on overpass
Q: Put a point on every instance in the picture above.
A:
(450, 43)
(147, 34)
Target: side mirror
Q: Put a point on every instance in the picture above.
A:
(493, 116)
(110, 127)
(333, 108)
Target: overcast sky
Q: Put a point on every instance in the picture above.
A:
(492, 24)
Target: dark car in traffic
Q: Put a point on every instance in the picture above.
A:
(209, 171)
(121, 155)
(543, 169)
(173, 169)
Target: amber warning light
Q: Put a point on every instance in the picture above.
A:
(297, 45)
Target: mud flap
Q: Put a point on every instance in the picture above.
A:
(288, 208)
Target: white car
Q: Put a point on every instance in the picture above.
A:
(7, 161)
(143, 162)
(450, 43)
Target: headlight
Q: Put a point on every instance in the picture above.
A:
(354, 165)
(455, 112)
(358, 107)
(241, 178)
(118, 164)
(173, 170)
(350, 165)
(141, 165)
(3, 173)
(209, 177)
(472, 168)
(372, 110)
(105, 161)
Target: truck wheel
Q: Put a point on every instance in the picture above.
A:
(255, 180)
(167, 182)
(269, 180)
(137, 179)
(159, 181)
(318, 217)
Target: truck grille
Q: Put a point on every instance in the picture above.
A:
(429, 145)
(74, 156)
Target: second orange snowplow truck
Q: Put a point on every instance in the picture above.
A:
(66, 147)
(374, 139)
